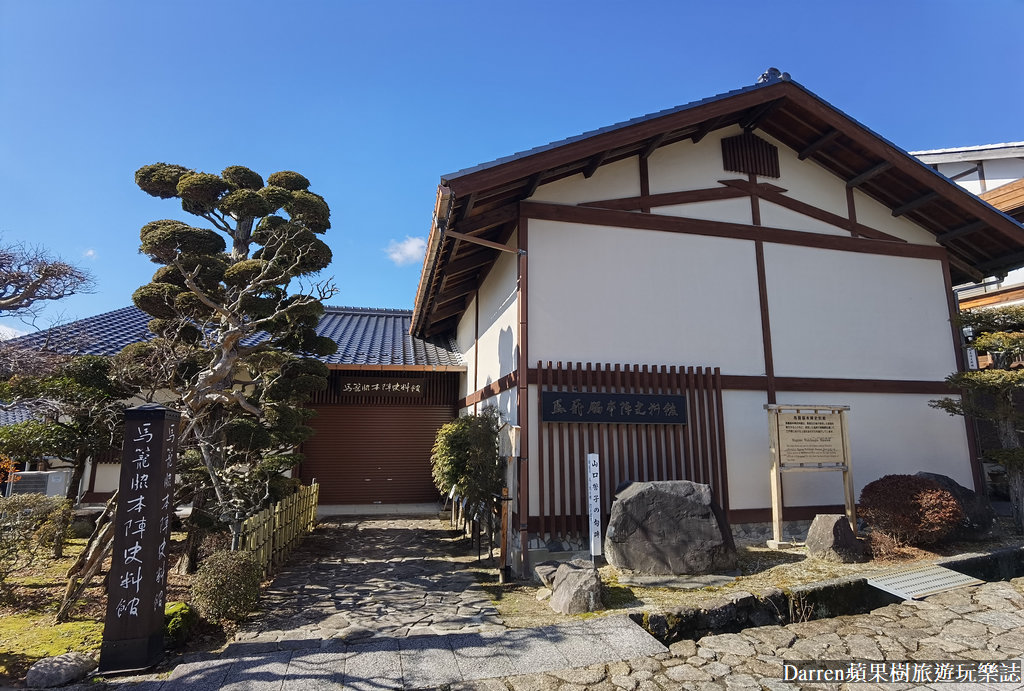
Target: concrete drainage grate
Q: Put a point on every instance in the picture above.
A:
(922, 581)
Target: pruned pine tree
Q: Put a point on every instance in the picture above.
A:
(234, 308)
(990, 393)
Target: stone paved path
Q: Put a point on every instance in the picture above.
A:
(353, 618)
(373, 576)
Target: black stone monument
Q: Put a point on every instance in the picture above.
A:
(133, 634)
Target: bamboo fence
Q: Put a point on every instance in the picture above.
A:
(272, 533)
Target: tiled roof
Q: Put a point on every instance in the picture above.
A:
(365, 336)
(15, 415)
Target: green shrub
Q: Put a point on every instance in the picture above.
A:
(465, 456)
(179, 620)
(55, 528)
(227, 585)
(910, 509)
(29, 522)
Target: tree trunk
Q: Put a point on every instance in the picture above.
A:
(1015, 485)
(77, 472)
(189, 559)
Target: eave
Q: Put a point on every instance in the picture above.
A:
(483, 202)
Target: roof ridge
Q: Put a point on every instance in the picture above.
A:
(338, 309)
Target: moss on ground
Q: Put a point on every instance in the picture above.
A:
(26, 638)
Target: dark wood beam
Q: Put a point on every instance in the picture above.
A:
(723, 229)
(451, 310)
(594, 164)
(667, 199)
(757, 114)
(707, 128)
(653, 144)
(469, 263)
(966, 267)
(774, 194)
(467, 207)
(818, 143)
(532, 184)
(480, 241)
(1006, 262)
(868, 174)
(967, 229)
(489, 219)
(914, 204)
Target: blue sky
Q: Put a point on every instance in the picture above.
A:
(374, 101)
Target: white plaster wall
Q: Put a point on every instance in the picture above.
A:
(610, 181)
(688, 166)
(108, 476)
(465, 339)
(728, 210)
(746, 449)
(806, 181)
(1002, 171)
(858, 316)
(775, 216)
(634, 296)
(499, 324)
(879, 216)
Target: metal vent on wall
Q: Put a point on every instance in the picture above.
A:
(748, 153)
(922, 581)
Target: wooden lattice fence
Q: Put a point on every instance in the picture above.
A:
(272, 533)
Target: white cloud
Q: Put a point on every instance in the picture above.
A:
(89, 253)
(9, 332)
(407, 251)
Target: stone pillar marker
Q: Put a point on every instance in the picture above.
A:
(133, 632)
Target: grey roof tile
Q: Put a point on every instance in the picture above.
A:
(365, 336)
(15, 415)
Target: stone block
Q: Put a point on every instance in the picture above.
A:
(59, 670)
(576, 588)
(831, 539)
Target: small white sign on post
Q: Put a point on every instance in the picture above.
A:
(594, 502)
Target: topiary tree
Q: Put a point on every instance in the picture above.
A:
(235, 307)
(988, 394)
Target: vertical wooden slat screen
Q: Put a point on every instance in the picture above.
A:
(628, 452)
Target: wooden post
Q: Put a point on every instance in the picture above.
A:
(133, 632)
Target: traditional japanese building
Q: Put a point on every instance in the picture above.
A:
(752, 248)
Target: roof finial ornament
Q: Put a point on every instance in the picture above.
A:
(772, 74)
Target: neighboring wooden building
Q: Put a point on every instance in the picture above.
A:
(388, 394)
(755, 247)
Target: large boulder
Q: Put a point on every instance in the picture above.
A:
(576, 588)
(830, 538)
(670, 527)
(978, 512)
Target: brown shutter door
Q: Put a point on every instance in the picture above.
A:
(373, 454)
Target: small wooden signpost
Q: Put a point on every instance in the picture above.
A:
(133, 633)
(808, 438)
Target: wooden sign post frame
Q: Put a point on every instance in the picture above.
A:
(780, 464)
